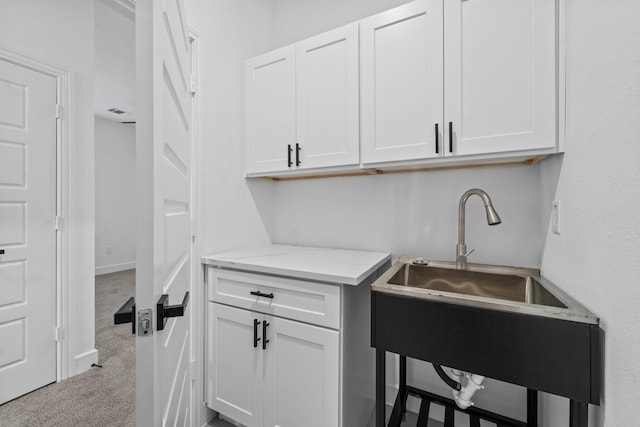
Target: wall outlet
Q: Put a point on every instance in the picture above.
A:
(107, 250)
(555, 216)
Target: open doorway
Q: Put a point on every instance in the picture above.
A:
(115, 195)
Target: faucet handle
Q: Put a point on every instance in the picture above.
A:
(467, 254)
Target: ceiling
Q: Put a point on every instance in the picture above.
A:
(115, 73)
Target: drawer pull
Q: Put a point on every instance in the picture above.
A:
(260, 294)
(264, 335)
(256, 322)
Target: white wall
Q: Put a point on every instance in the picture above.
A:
(115, 196)
(598, 183)
(231, 31)
(60, 33)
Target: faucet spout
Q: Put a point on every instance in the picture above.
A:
(492, 219)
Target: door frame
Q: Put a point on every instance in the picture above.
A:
(198, 327)
(64, 95)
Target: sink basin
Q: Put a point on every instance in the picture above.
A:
(524, 289)
(514, 289)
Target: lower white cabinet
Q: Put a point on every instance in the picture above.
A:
(267, 370)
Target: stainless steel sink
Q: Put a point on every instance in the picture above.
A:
(513, 289)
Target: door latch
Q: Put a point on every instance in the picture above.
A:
(145, 322)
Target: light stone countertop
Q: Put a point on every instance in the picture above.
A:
(320, 264)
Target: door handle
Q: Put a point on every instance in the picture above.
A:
(264, 334)
(261, 294)
(164, 310)
(126, 314)
(256, 322)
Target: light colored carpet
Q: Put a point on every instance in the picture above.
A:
(102, 397)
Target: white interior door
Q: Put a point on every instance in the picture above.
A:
(27, 233)
(164, 388)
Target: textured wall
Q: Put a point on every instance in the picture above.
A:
(598, 183)
(231, 30)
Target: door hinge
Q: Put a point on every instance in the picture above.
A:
(57, 222)
(57, 334)
(192, 84)
(58, 111)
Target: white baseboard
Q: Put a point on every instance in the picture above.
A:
(83, 362)
(115, 268)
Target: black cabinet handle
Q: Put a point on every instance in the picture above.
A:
(437, 140)
(164, 310)
(289, 150)
(298, 154)
(264, 334)
(451, 137)
(260, 294)
(256, 322)
(126, 314)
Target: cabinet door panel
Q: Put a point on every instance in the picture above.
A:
(270, 104)
(301, 375)
(328, 98)
(500, 86)
(234, 365)
(401, 56)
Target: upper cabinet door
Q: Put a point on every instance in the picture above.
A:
(500, 75)
(328, 99)
(270, 110)
(401, 78)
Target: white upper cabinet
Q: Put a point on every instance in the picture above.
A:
(303, 104)
(328, 99)
(426, 84)
(401, 81)
(270, 110)
(500, 75)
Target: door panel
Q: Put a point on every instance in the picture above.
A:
(234, 364)
(499, 75)
(401, 78)
(164, 389)
(27, 234)
(328, 100)
(270, 102)
(301, 380)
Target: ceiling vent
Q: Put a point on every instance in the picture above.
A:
(115, 110)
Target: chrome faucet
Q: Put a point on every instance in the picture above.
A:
(492, 219)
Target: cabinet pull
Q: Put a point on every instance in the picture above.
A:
(260, 294)
(298, 154)
(264, 335)
(256, 322)
(289, 150)
(451, 137)
(437, 141)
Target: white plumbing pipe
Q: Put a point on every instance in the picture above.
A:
(463, 397)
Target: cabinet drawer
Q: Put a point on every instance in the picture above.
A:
(310, 302)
